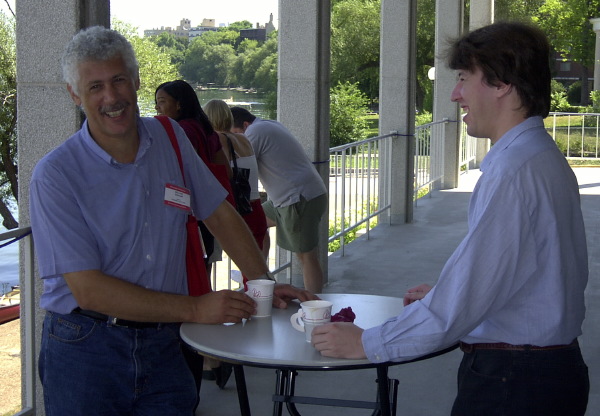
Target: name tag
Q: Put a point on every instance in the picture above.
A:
(177, 197)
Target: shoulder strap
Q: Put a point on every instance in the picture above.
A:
(164, 120)
(231, 151)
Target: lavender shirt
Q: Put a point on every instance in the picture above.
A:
(89, 212)
(520, 273)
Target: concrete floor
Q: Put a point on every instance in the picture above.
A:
(394, 259)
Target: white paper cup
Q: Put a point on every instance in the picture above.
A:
(261, 290)
(306, 325)
(311, 313)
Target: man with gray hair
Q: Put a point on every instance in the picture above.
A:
(110, 241)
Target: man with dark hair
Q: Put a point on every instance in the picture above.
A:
(297, 194)
(512, 293)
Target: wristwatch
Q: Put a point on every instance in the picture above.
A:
(268, 276)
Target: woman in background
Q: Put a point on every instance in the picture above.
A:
(178, 100)
(220, 116)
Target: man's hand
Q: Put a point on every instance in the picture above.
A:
(223, 306)
(416, 293)
(283, 294)
(339, 340)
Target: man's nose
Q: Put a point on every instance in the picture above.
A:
(455, 96)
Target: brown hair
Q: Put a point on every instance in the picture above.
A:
(512, 53)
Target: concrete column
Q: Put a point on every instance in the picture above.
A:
(447, 27)
(481, 14)
(596, 25)
(46, 116)
(397, 81)
(303, 87)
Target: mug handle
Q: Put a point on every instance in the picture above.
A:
(296, 320)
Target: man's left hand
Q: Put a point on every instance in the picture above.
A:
(339, 340)
(283, 294)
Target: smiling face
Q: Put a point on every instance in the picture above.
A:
(107, 95)
(166, 105)
(478, 100)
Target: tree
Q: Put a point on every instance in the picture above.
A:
(355, 26)
(155, 65)
(347, 114)
(570, 32)
(172, 45)
(9, 188)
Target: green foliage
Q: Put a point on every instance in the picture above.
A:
(558, 97)
(595, 98)
(172, 45)
(347, 114)
(423, 118)
(155, 65)
(351, 235)
(355, 26)
(574, 93)
(8, 119)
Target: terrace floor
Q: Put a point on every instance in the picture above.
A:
(394, 259)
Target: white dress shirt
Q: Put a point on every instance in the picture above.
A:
(520, 273)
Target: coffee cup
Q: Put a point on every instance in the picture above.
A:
(261, 290)
(311, 314)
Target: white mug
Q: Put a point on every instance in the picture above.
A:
(311, 313)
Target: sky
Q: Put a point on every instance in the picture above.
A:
(151, 14)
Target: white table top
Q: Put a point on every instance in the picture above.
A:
(273, 342)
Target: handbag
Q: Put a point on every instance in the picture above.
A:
(240, 184)
(197, 278)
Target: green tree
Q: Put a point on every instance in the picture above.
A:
(155, 65)
(348, 109)
(172, 45)
(355, 26)
(9, 190)
(570, 32)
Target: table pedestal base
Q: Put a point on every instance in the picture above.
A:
(385, 405)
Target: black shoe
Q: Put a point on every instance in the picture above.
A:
(222, 374)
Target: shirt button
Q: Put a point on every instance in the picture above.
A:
(148, 257)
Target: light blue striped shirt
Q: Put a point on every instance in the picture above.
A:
(520, 273)
(89, 212)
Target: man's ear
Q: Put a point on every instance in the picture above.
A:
(246, 124)
(74, 96)
(503, 89)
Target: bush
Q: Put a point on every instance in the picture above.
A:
(595, 98)
(558, 98)
(574, 93)
(348, 110)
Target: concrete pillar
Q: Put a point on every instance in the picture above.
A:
(46, 117)
(303, 87)
(447, 27)
(397, 82)
(596, 25)
(481, 14)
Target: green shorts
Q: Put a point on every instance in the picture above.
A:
(298, 224)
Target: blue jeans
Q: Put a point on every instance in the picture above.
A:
(90, 368)
(522, 383)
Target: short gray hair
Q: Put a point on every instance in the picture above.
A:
(96, 43)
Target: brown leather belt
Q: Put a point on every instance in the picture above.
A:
(116, 321)
(469, 348)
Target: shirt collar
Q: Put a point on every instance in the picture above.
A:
(509, 137)
(143, 133)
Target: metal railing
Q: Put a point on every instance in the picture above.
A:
(576, 134)
(354, 192)
(27, 319)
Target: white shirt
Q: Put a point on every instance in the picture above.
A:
(520, 273)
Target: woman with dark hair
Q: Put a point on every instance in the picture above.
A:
(178, 100)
